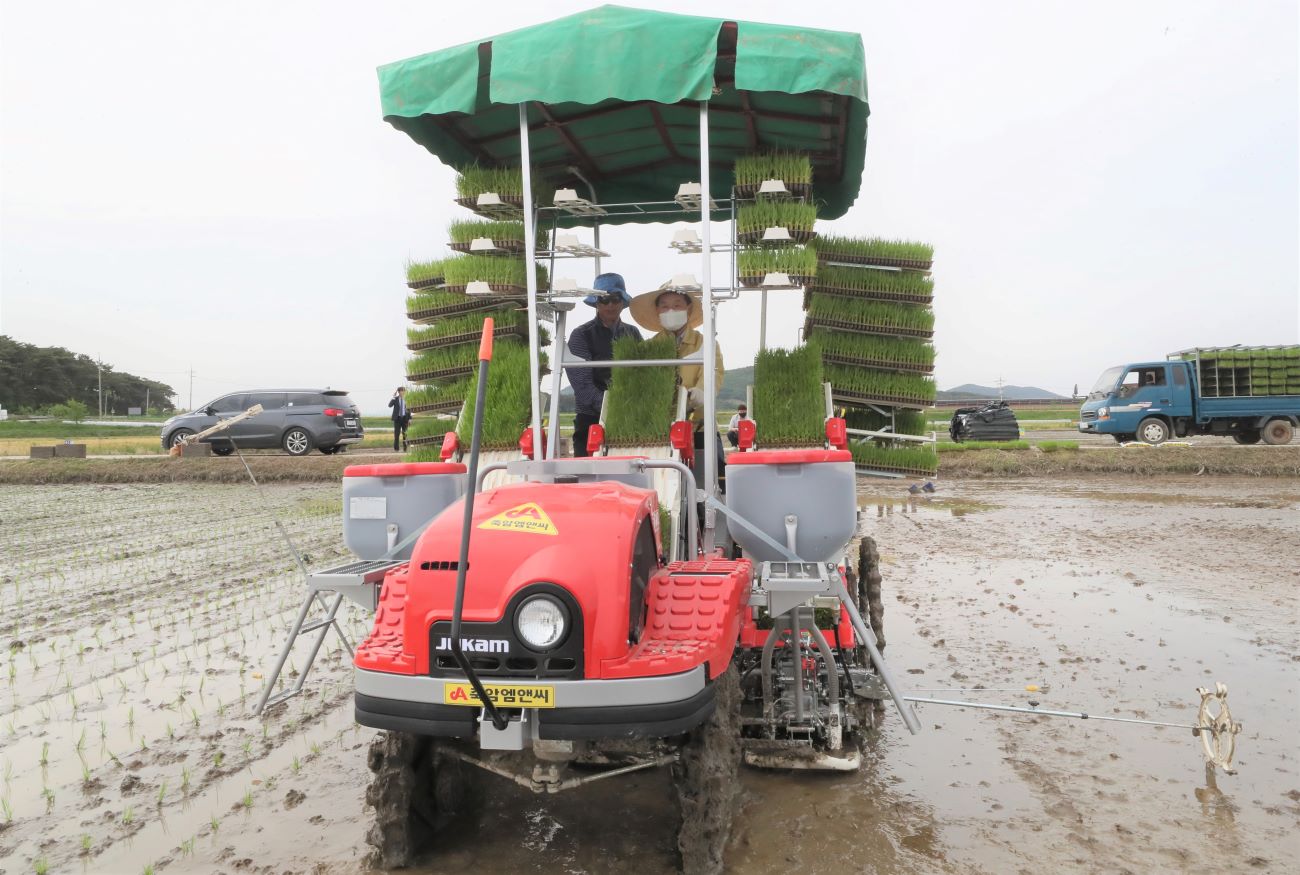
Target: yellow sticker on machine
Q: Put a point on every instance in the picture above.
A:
(502, 695)
(528, 517)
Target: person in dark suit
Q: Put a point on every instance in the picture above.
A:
(401, 418)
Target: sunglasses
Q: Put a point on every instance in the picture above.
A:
(609, 299)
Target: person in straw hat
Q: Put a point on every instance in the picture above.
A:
(678, 315)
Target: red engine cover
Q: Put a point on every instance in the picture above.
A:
(576, 535)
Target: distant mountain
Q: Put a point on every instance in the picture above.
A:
(1011, 393)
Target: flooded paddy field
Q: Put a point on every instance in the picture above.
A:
(137, 623)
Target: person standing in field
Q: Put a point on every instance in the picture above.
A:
(594, 341)
(401, 418)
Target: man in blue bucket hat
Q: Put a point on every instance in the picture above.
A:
(594, 341)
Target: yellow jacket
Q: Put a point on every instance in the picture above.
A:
(692, 376)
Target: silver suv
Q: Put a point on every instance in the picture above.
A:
(296, 420)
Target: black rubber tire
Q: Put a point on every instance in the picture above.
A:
(296, 442)
(1123, 438)
(328, 451)
(1247, 437)
(1276, 432)
(175, 437)
(222, 451)
(1153, 431)
(706, 776)
(401, 793)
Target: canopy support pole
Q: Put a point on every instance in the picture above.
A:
(530, 271)
(710, 343)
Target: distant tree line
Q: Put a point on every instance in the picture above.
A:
(36, 378)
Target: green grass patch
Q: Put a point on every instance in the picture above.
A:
(491, 269)
(902, 351)
(1057, 446)
(761, 215)
(870, 314)
(789, 167)
(867, 248)
(906, 459)
(868, 281)
(883, 385)
(795, 261)
(789, 404)
(639, 403)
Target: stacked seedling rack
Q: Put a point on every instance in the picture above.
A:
(1237, 371)
(449, 299)
(868, 310)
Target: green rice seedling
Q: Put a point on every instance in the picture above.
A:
(248, 799)
(85, 772)
(7, 809)
(187, 847)
(873, 350)
(1057, 446)
(85, 842)
(506, 412)
(185, 779)
(639, 402)
(467, 231)
(218, 758)
(867, 282)
(425, 272)
(754, 264)
(912, 460)
(904, 421)
(295, 766)
(881, 386)
(757, 217)
(496, 271)
(45, 754)
(215, 823)
(475, 179)
(789, 405)
(148, 869)
(40, 866)
(757, 168)
(162, 793)
(128, 816)
(868, 250)
(873, 316)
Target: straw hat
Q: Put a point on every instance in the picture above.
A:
(646, 314)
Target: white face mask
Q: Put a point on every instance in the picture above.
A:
(673, 320)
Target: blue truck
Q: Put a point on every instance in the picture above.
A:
(1250, 394)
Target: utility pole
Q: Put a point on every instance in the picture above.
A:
(99, 364)
(1000, 383)
(146, 400)
(191, 387)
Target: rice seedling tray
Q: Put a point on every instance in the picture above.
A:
(864, 294)
(753, 238)
(887, 468)
(470, 305)
(755, 281)
(497, 289)
(473, 337)
(448, 405)
(441, 374)
(878, 364)
(507, 247)
(875, 261)
(431, 282)
(496, 207)
(889, 331)
(751, 191)
(883, 400)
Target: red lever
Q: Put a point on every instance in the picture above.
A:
(745, 432)
(682, 437)
(450, 446)
(595, 438)
(526, 443)
(485, 344)
(837, 434)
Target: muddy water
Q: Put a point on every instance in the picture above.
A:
(1119, 599)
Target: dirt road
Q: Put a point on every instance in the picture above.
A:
(1120, 597)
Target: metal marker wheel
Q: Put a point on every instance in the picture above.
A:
(864, 584)
(1219, 738)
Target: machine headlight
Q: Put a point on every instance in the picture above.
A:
(541, 622)
(1103, 413)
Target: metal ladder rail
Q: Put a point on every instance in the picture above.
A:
(302, 627)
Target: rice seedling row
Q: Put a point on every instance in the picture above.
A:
(902, 460)
(885, 387)
(639, 401)
(875, 252)
(789, 409)
(508, 399)
(501, 274)
(753, 220)
(792, 168)
(812, 323)
(753, 265)
(911, 422)
(871, 284)
(425, 274)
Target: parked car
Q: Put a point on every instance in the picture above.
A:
(296, 420)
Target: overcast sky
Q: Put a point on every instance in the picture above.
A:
(210, 185)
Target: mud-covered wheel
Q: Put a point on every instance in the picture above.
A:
(402, 793)
(865, 585)
(1276, 432)
(706, 778)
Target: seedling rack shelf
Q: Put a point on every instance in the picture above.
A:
(864, 294)
(766, 191)
(490, 205)
(767, 239)
(501, 289)
(473, 337)
(445, 373)
(857, 400)
(757, 281)
(507, 247)
(470, 305)
(836, 325)
(848, 260)
(430, 283)
(877, 364)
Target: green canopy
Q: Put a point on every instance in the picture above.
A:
(614, 92)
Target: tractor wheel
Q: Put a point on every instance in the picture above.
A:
(707, 778)
(415, 781)
(865, 586)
